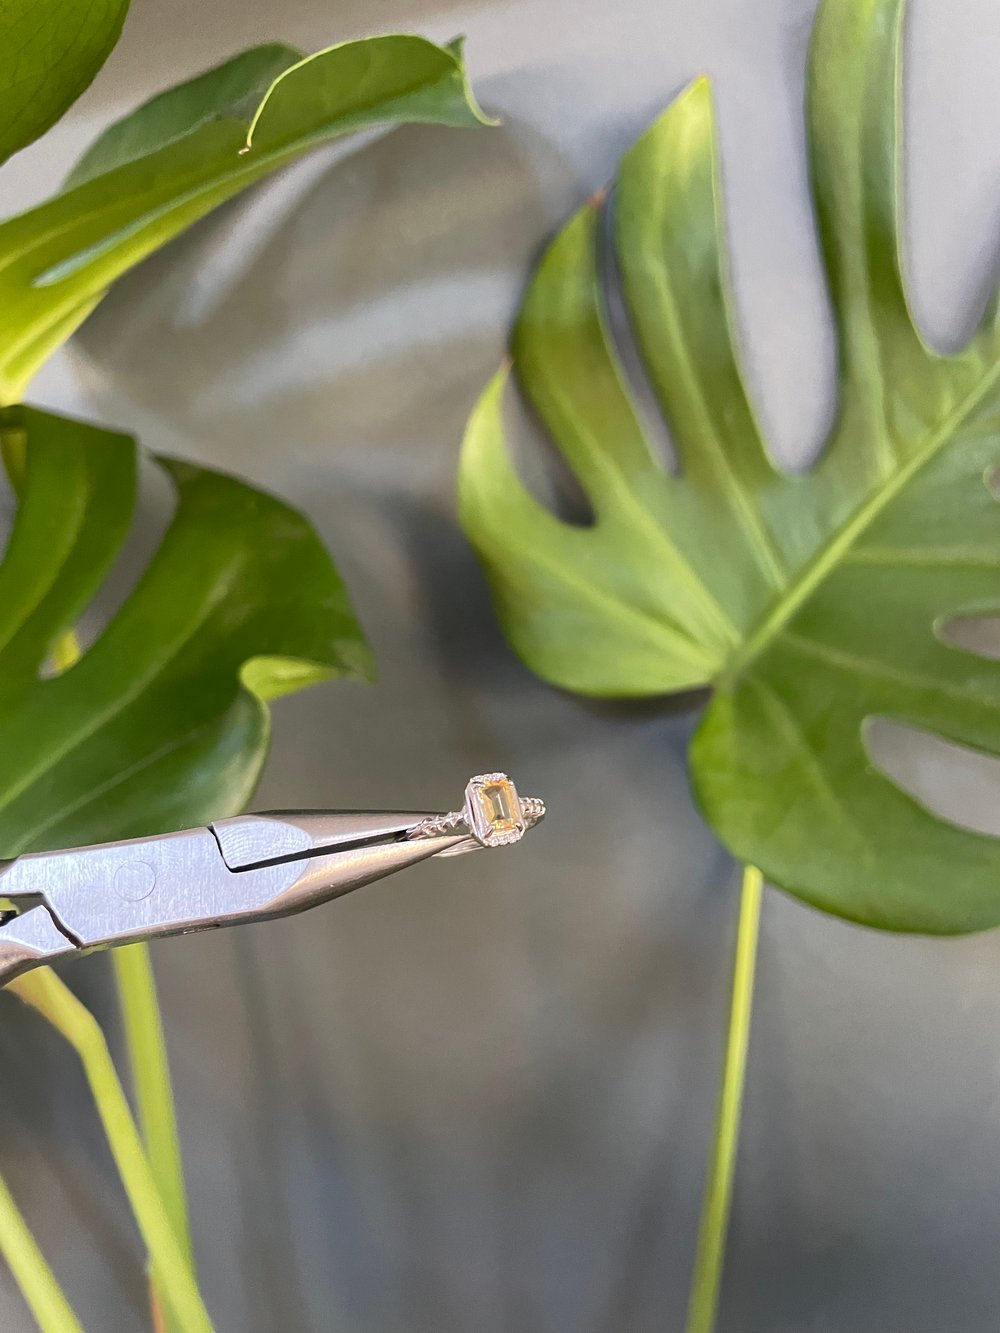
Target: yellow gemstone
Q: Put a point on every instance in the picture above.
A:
(493, 809)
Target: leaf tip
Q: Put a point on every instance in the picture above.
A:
(456, 49)
(697, 94)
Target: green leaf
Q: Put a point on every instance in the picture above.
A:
(184, 153)
(50, 51)
(812, 603)
(227, 89)
(162, 722)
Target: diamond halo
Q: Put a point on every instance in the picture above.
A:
(493, 810)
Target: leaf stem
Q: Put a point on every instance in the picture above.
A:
(147, 1053)
(177, 1287)
(33, 1275)
(710, 1255)
(140, 1012)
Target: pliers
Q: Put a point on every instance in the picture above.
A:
(251, 868)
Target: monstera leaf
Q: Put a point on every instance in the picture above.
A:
(184, 153)
(163, 721)
(810, 604)
(51, 50)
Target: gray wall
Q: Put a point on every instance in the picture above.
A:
(478, 1098)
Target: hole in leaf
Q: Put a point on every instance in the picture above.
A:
(952, 147)
(626, 347)
(541, 467)
(954, 782)
(973, 634)
(154, 508)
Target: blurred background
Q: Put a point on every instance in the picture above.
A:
(478, 1099)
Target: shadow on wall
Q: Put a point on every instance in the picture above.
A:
(360, 308)
(475, 1092)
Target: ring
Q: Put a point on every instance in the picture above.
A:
(493, 813)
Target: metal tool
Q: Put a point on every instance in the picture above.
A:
(251, 868)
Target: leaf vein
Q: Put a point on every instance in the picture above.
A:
(861, 664)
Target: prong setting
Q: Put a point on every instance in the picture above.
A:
(493, 810)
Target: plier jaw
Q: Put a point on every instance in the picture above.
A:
(247, 869)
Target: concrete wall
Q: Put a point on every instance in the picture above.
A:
(477, 1100)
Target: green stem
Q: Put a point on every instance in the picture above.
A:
(35, 1278)
(137, 997)
(151, 1079)
(177, 1287)
(707, 1278)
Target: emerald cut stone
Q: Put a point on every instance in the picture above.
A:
(493, 810)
